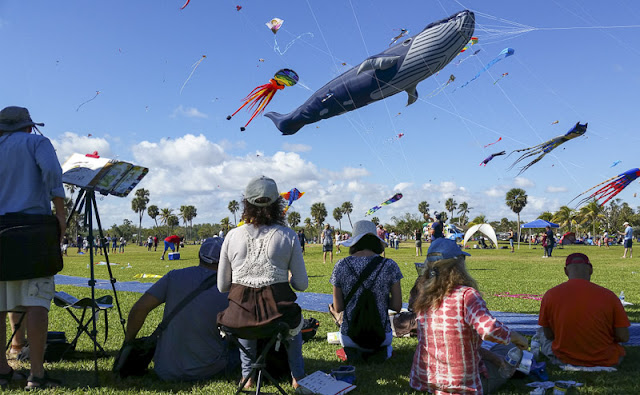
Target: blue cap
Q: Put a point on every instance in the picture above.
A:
(442, 248)
(210, 250)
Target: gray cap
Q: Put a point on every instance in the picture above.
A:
(14, 118)
(210, 250)
(261, 191)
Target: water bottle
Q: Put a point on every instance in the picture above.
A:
(622, 297)
(512, 360)
(535, 347)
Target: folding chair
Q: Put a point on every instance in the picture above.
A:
(279, 333)
(69, 303)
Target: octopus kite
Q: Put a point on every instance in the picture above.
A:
(490, 157)
(393, 199)
(542, 149)
(291, 196)
(611, 188)
(505, 53)
(260, 97)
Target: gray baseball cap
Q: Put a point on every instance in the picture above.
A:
(261, 191)
(15, 118)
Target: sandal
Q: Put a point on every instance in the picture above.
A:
(10, 376)
(41, 382)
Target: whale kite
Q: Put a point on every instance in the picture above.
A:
(397, 69)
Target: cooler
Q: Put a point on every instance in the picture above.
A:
(174, 256)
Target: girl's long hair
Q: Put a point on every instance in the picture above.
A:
(269, 215)
(439, 280)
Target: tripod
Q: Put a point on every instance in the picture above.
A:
(87, 200)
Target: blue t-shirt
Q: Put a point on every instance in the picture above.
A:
(191, 347)
(345, 275)
(628, 233)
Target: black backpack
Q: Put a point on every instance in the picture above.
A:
(365, 327)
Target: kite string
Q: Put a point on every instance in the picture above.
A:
(276, 47)
(364, 43)
(384, 165)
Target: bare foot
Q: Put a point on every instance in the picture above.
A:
(294, 383)
(249, 383)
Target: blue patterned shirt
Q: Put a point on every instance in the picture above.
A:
(31, 174)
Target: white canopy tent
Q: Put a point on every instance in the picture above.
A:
(486, 229)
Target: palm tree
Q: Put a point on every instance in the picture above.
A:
(225, 223)
(165, 213)
(234, 207)
(139, 205)
(423, 208)
(591, 213)
(516, 200)
(308, 226)
(337, 215)
(564, 217)
(152, 212)
(463, 210)
(319, 213)
(480, 219)
(188, 213)
(450, 205)
(293, 218)
(347, 208)
(172, 222)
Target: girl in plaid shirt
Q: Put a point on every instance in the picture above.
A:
(453, 320)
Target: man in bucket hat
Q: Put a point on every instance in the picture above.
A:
(190, 348)
(584, 321)
(31, 180)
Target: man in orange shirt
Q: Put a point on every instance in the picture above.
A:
(584, 321)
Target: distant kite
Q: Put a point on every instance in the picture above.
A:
(185, 4)
(505, 53)
(555, 122)
(473, 41)
(275, 24)
(490, 157)
(542, 149)
(291, 196)
(503, 75)
(394, 199)
(403, 32)
(615, 163)
(611, 188)
(193, 70)
(260, 97)
(439, 90)
(92, 99)
(238, 7)
(459, 62)
(500, 139)
(400, 135)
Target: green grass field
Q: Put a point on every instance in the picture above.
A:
(497, 271)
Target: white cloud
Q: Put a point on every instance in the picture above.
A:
(296, 147)
(522, 182)
(70, 143)
(188, 112)
(552, 189)
(402, 186)
(497, 191)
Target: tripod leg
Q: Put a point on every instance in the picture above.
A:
(111, 278)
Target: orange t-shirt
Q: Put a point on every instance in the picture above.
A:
(583, 316)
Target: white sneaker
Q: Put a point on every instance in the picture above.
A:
(162, 258)
(544, 256)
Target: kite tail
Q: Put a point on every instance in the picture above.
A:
(593, 187)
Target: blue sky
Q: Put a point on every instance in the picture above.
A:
(569, 65)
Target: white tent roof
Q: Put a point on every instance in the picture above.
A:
(483, 228)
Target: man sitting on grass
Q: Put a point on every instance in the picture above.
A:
(190, 348)
(584, 321)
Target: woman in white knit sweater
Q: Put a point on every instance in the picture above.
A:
(259, 263)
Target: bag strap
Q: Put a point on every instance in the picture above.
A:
(366, 273)
(206, 284)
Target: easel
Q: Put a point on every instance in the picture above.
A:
(87, 200)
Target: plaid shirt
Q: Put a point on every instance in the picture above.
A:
(447, 359)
